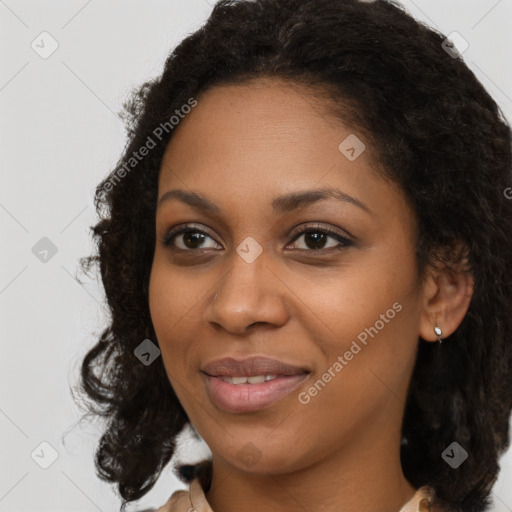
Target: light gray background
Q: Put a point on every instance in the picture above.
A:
(59, 136)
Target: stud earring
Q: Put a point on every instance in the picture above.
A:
(438, 332)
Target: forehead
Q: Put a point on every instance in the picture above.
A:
(264, 120)
(259, 139)
(257, 110)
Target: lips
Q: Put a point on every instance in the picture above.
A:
(250, 367)
(244, 398)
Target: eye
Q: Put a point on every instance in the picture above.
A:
(315, 238)
(189, 238)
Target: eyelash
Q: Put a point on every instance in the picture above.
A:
(345, 242)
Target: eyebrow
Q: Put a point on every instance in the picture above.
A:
(281, 204)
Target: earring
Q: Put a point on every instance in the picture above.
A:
(438, 332)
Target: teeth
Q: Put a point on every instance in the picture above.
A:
(256, 379)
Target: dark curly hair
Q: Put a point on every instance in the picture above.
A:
(437, 134)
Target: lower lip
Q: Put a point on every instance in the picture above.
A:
(250, 397)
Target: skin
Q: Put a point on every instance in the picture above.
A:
(242, 146)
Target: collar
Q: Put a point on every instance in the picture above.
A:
(195, 500)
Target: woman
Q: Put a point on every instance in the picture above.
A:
(306, 251)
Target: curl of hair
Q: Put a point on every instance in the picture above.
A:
(435, 132)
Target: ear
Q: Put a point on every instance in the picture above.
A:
(447, 294)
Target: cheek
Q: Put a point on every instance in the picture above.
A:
(167, 308)
(160, 300)
(165, 312)
(369, 319)
(174, 305)
(360, 302)
(171, 298)
(364, 379)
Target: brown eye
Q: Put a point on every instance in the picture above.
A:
(187, 239)
(316, 239)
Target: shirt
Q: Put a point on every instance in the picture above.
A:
(194, 500)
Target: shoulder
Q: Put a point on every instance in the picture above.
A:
(178, 502)
(425, 500)
(185, 501)
(199, 480)
(422, 501)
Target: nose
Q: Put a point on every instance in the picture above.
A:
(248, 294)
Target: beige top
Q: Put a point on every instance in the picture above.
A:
(194, 500)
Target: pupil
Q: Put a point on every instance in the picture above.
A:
(192, 236)
(318, 239)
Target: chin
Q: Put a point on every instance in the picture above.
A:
(260, 458)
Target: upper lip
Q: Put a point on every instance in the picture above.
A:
(251, 366)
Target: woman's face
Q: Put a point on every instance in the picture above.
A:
(342, 307)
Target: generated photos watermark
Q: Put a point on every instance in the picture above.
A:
(342, 360)
(137, 156)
